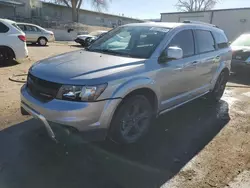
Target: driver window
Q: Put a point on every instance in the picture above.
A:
(184, 40)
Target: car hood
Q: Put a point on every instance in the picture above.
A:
(80, 66)
(84, 36)
(49, 32)
(239, 48)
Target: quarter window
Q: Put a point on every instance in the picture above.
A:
(221, 40)
(205, 41)
(185, 41)
(3, 28)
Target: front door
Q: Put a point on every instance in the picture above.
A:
(178, 78)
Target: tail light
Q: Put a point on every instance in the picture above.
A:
(22, 38)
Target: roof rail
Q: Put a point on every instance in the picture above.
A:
(199, 22)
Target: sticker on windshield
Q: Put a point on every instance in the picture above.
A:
(165, 30)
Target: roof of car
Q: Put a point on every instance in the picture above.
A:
(7, 21)
(171, 25)
(157, 24)
(27, 24)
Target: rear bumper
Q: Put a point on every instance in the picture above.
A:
(21, 51)
(81, 116)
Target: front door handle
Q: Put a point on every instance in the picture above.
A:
(217, 59)
(194, 62)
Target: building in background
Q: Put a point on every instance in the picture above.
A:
(233, 21)
(153, 20)
(46, 14)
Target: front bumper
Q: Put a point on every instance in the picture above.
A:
(82, 116)
(50, 38)
(238, 65)
(80, 41)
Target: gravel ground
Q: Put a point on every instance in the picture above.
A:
(198, 145)
(9, 91)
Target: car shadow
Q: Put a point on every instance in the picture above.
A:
(28, 158)
(36, 45)
(9, 64)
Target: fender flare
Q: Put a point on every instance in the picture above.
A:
(5, 46)
(122, 91)
(133, 84)
(223, 65)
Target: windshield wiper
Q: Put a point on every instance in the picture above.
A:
(109, 52)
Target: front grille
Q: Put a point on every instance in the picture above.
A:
(41, 89)
(241, 55)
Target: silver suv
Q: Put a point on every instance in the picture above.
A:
(126, 78)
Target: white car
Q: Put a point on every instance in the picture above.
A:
(12, 42)
(36, 34)
(81, 39)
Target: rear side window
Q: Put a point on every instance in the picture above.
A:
(15, 25)
(3, 28)
(184, 40)
(221, 39)
(205, 41)
(31, 28)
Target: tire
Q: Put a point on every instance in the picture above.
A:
(219, 87)
(131, 120)
(42, 41)
(6, 56)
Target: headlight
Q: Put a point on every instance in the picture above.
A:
(80, 93)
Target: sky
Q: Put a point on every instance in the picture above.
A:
(148, 9)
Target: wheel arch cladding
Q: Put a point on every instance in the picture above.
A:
(148, 93)
(10, 49)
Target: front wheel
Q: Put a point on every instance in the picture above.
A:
(131, 120)
(219, 87)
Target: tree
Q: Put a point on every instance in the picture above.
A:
(195, 5)
(75, 5)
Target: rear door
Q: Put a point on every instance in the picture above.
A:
(32, 33)
(3, 34)
(209, 56)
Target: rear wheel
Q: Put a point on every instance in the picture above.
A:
(6, 55)
(219, 87)
(131, 120)
(42, 41)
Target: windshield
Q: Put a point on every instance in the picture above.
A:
(130, 41)
(243, 40)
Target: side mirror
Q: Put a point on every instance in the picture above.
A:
(171, 53)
